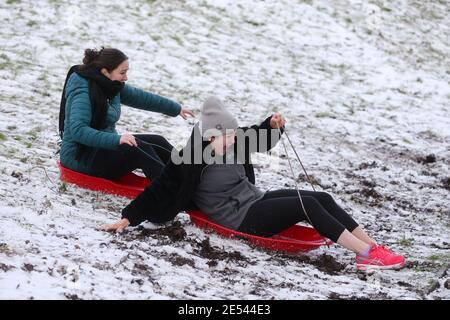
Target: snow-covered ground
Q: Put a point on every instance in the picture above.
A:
(364, 86)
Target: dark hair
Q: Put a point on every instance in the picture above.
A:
(108, 58)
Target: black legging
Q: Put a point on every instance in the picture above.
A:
(112, 164)
(281, 209)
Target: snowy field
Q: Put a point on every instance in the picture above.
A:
(364, 86)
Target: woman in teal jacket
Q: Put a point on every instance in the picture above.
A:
(90, 108)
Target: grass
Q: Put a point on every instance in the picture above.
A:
(439, 257)
(406, 242)
(429, 134)
(254, 23)
(351, 110)
(421, 269)
(2, 137)
(156, 37)
(42, 77)
(5, 61)
(405, 140)
(63, 187)
(433, 284)
(32, 23)
(33, 134)
(178, 40)
(324, 114)
(47, 204)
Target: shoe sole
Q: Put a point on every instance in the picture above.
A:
(367, 267)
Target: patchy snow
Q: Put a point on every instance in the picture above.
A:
(364, 86)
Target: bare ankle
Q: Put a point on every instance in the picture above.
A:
(365, 251)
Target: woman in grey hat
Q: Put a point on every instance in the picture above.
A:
(214, 173)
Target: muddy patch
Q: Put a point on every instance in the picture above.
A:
(371, 193)
(328, 264)
(366, 165)
(28, 267)
(17, 175)
(431, 158)
(446, 183)
(337, 296)
(175, 232)
(164, 236)
(324, 262)
(372, 296)
(178, 260)
(141, 269)
(5, 267)
(405, 284)
(6, 250)
(103, 266)
(368, 183)
(205, 250)
(71, 296)
(423, 266)
(447, 284)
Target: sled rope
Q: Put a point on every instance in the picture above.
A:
(152, 144)
(298, 158)
(149, 156)
(292, 171)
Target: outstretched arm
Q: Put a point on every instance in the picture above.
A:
(144, 100)
(153, 203)
(263, 137)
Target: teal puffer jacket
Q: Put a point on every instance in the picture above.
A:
(78, 118)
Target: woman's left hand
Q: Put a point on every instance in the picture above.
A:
(277, 121)
(184, 113)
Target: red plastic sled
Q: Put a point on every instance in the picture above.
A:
(130, 185)
(294, 239)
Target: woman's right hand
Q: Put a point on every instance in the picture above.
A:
(184, 113)
(128, 139)
(117, 227)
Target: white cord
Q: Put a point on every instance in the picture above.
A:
(293, 175)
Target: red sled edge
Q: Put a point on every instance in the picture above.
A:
(294, 239)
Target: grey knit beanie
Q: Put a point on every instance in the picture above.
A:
(216, 119)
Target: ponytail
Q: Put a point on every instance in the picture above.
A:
(90, 55)
(108, 58)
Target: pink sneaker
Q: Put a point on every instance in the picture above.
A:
(379, 258)
(386, 249)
